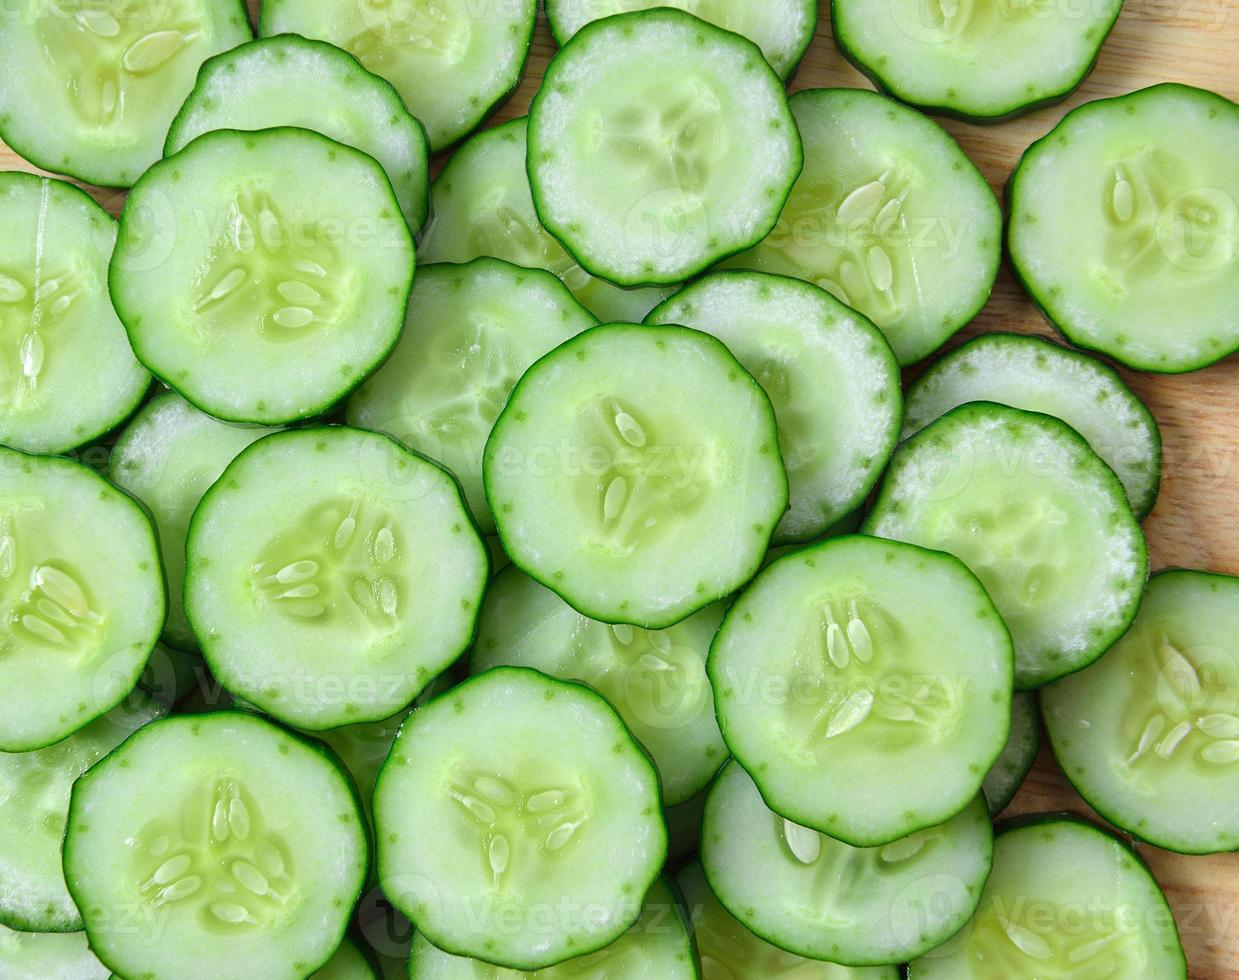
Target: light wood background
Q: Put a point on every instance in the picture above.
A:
(1196, 521)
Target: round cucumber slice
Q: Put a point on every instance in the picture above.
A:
(1006, 775)
(1065, 899)
(195, 831)
(1033, 374)
(451, 63)
(495, 848)
(1024, 502)
(331, 575)
(263, 275)
(1154, 724)
(655, 679)
(610, 485)
(81, 598)
(817, 897)
(89, 89)
(890, 216)
(68, 374)
(293, 81)
(649, 177)
(167, 457)
(781, 28)
(472, 331)
(1125, 228)
(38, 956)
(348, 963)
(857, 656)
(832, 379)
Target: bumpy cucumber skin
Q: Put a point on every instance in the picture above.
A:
(1065, 329)
(999, 794)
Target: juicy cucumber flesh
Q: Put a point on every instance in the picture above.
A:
(348, 963)
(1006, 775)
(38, 956)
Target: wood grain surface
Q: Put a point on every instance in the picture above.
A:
(1196, 521)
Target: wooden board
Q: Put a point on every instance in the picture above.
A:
(1196, 521)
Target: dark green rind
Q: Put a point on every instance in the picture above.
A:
(1013, 775)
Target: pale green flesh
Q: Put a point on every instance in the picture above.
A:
(1155, 722)
(167, 457)
(1065, 900)
(1042, 522)
(40, 956)
(472, 332)
(481, 205)
(67, 374)
(817, 897)
(348, 963)
(890, 216)
(656, 680)
(480, 827)
(1032, 374)
(450, 63)
(1003, 780)
(293, 81)
(831, 377)
(1125, 227)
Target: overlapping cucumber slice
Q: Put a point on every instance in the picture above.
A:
(1007, 774)
(37, 956)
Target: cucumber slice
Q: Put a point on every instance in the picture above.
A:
(68, 375)
(781, 28)
(1125, 229)
(832, 378)
(348, 963)
(451, 63)
(857, 656)
(1033, 374)
(496, 848)
(730, 952)
(1065, 899)
(649, 177)
(35, 789)
(656, 680)
(1023, 501)
(817, 897)
(473, 330)
(89, 89)
(610, 486)
(262, 275)
(890, 216)
(1149, 734)
(81, 598)
(977, 61)
(332, 575)
(167, 457)
(481, 205)
(195, 833)
(658, 947)
(40, 956)
(1006, 775)
(292, 81)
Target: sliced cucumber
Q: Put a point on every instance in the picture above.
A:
(81, 598)
(68, 374)
(1006, 775)
(473, 330)
(817, 897)
(656, 680)
(89, 89)
(730, 952)
(890, 216)
(451, 63)
(613, 488)
(481, 205)
(195, 833)
(167, 457)
(832, 378)
(1149, 734)
(348, 963)
(292, 81)
(1030, 373)
(263, 275)
(48, 956)
(856, 656)
(1125, 228)
(1024, 502)
(1065, 899)
(496, 848)
(781, 28)
(649, 177)
(332, 575)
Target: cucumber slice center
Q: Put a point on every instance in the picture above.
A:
(410, 36)
(973, 23)
(34, 309)
(1080, 945)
